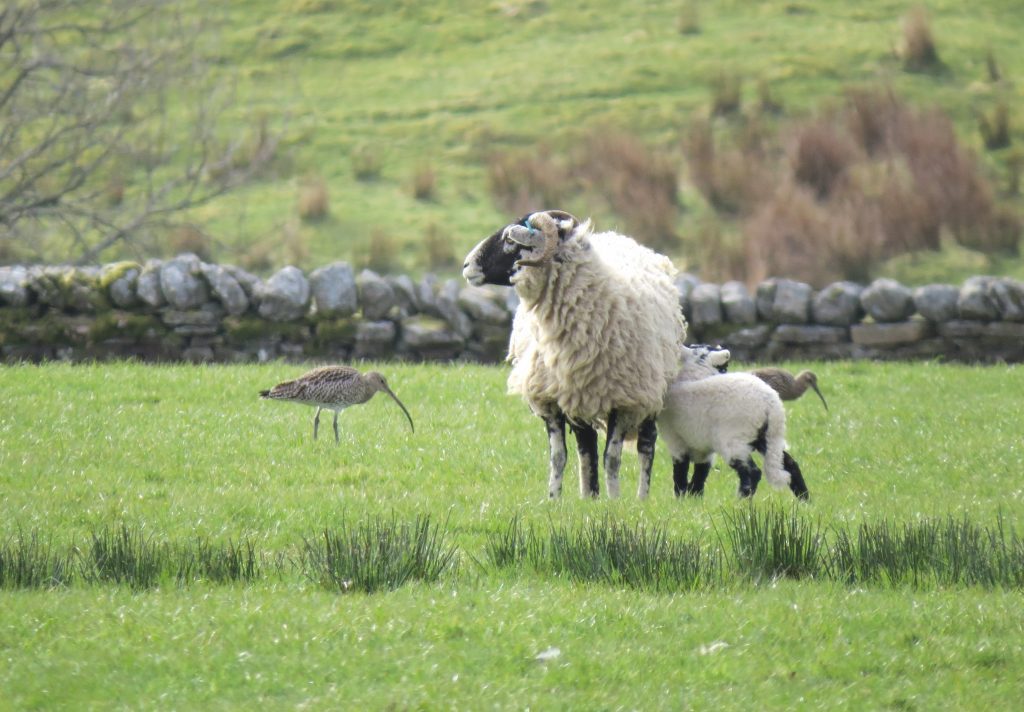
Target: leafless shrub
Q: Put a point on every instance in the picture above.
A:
(733, 179)
(313, 201)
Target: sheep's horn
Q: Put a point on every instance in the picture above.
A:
(546, 223)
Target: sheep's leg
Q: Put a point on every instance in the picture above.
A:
(680, 468)
(796, 478)
(749, 475)
(646, 437)
(700, 476)
(613, 455)
(586, 445)
(556, 449)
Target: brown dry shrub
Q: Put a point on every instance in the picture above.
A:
(919, 52)
(437, 248)
(639, 184)
(523, 181)
(424, 182)
(821, 155)
(734, 179)
(382, 251)
(871, 115)
(313, 202)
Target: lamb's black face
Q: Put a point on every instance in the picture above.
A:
(493, 260)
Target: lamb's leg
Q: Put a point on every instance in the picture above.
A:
(555, 425)
(700, 476)
(796, 478)
(680, 468)
(613, 455)
(586, 445)
(749, 475)
(646, 437)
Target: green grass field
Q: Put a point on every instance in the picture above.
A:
(186, 453)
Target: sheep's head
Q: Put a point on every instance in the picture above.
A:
(701, 360)
(528, 242)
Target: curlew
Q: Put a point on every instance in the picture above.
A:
(786, 385)
(333, 388)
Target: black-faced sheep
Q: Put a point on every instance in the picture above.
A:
(595, 339)
(731, 414)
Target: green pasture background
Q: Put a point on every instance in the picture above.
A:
(184, 451)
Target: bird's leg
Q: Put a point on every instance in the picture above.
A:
(316, 422)
(613, 455)
(586, 444)
(646, 437)
(555, 425)
(337, 439)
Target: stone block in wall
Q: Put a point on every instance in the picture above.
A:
(119, 280)
(376, 297)
(975, 301)
(968, 329)
(783, 301)
(147, 287)
(426, 295)
(285, 296)
(198, 354)
(483, 305)
(886, 300)
(14, 286)
(209, 315)
(182, 283)
(449, 310)
(405, 294)
(809, 335)
(838, 304)
(430, 338)
(73, 289)
(248, 282)
(685, 284)
(334, 289)
(752, 338)
(937, 302)
(490, 342)
(226, 289)
(891, 334)
(738, 306)
(375, 339)
(705, 306)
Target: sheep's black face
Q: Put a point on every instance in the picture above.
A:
(493, 260)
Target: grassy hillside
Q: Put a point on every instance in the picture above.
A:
(439, 87)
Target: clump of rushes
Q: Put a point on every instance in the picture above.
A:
(771, 542)
(28, 561)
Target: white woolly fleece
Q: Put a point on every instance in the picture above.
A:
(598, 328)
(723, 414)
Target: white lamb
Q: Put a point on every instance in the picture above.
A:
(731, 414)
(596, 336)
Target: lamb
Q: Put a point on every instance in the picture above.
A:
(595, 339)
(731, 414)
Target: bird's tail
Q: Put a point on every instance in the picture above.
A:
(264, 394)
(775, 446)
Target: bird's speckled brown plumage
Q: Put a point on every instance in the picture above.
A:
(332, 388)
(789, 387)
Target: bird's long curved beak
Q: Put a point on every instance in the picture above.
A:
(392, 394)
(820, 396)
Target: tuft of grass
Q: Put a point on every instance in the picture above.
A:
(424, 182)
(995, 128)
(726, 94)
(366, 163)
(313, 201)
(28, 561)
(223, 563)
(919, 51)
(768, 543)
(125, 555)
(379, 555)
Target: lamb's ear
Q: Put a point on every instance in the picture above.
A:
(719, 357)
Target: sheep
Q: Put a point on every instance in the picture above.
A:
(595, 338)
(731, 414)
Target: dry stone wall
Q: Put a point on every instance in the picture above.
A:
(183, 309)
